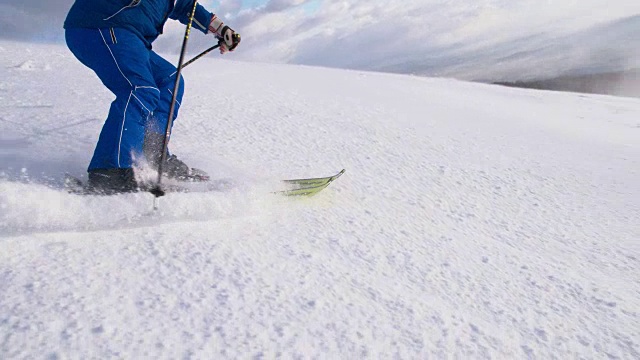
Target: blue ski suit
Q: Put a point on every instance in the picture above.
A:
(113, 38)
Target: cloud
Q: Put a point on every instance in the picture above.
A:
(467, 39)
(53, 7)
(226, 8)
(282, 5)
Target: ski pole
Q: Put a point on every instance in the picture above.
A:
(201, 55)
(157, 190)
(236, 39)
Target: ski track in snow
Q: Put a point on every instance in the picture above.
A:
(473, 221)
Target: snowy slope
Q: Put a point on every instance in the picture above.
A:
(473, 221)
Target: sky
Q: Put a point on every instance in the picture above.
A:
(469, 39)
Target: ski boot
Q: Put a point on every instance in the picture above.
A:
(173, 168)
(112, 181)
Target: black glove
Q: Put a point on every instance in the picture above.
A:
(227, 38)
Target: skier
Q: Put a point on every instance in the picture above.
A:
(113, 38)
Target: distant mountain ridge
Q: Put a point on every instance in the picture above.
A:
(619, 83)
(604, 58)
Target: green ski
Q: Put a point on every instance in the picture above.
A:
(308, 187)
(294, 187)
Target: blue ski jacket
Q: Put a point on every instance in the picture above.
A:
(145, 18)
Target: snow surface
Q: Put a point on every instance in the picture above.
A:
(473, 221)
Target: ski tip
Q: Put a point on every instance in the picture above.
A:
(309, 187)
(338, 175)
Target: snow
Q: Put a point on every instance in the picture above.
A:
(473, 221)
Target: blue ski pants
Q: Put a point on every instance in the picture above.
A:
(142, 82)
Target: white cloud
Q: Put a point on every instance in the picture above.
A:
(281, 5)
(468, 39)
(227, 8)
(428, 36)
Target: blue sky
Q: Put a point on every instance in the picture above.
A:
(309, 6)
(252, 3)
(469, 39)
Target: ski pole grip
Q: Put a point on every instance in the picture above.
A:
(235, 40)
